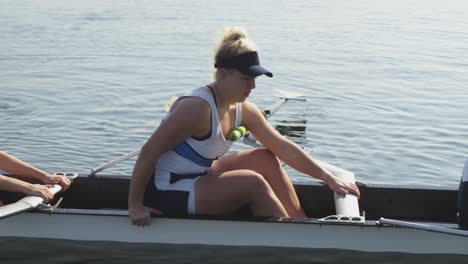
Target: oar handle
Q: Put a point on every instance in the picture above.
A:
(274, 108)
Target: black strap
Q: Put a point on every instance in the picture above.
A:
(214, 95)
(177, 177)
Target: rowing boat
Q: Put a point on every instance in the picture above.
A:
(95, 209)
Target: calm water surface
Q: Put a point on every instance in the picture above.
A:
(53, 251)
(84, 82)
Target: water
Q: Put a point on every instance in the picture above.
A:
(84, 82)
(14, 250)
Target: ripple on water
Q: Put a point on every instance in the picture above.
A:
(12, 107)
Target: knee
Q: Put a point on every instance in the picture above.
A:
(257, 182)
(266, 157)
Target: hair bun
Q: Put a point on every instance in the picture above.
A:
(234, 34)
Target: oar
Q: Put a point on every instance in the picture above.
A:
(25, 204)
(426, 227)
(283, 95)
(112, 163)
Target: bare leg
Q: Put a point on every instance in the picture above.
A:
(226, 192)
(262, 161)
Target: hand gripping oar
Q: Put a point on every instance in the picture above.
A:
(25, 204)
(283, 95)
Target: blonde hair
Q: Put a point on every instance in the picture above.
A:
(235, 41)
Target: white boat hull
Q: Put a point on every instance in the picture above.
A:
(101, 226)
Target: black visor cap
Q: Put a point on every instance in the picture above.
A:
(247, 63)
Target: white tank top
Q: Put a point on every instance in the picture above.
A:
(207, 149)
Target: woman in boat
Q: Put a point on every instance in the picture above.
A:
(19, 168)
(183, 170)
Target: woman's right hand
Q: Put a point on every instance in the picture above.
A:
(342, 187)
(41, 191)
(141, 215)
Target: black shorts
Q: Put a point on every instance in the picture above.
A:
(171, 203)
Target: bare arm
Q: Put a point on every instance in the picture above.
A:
(17, 167)
(20, 168)
(187, 118)
(15, 185)
(289, 152)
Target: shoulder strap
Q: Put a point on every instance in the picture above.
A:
(204, 94)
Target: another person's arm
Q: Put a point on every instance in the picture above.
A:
(22, 169)
(15, 185)
(289, 152)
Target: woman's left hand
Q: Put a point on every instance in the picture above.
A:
(56, 179)
(342, 187)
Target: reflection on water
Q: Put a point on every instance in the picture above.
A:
(15, 250)
(294, 129)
